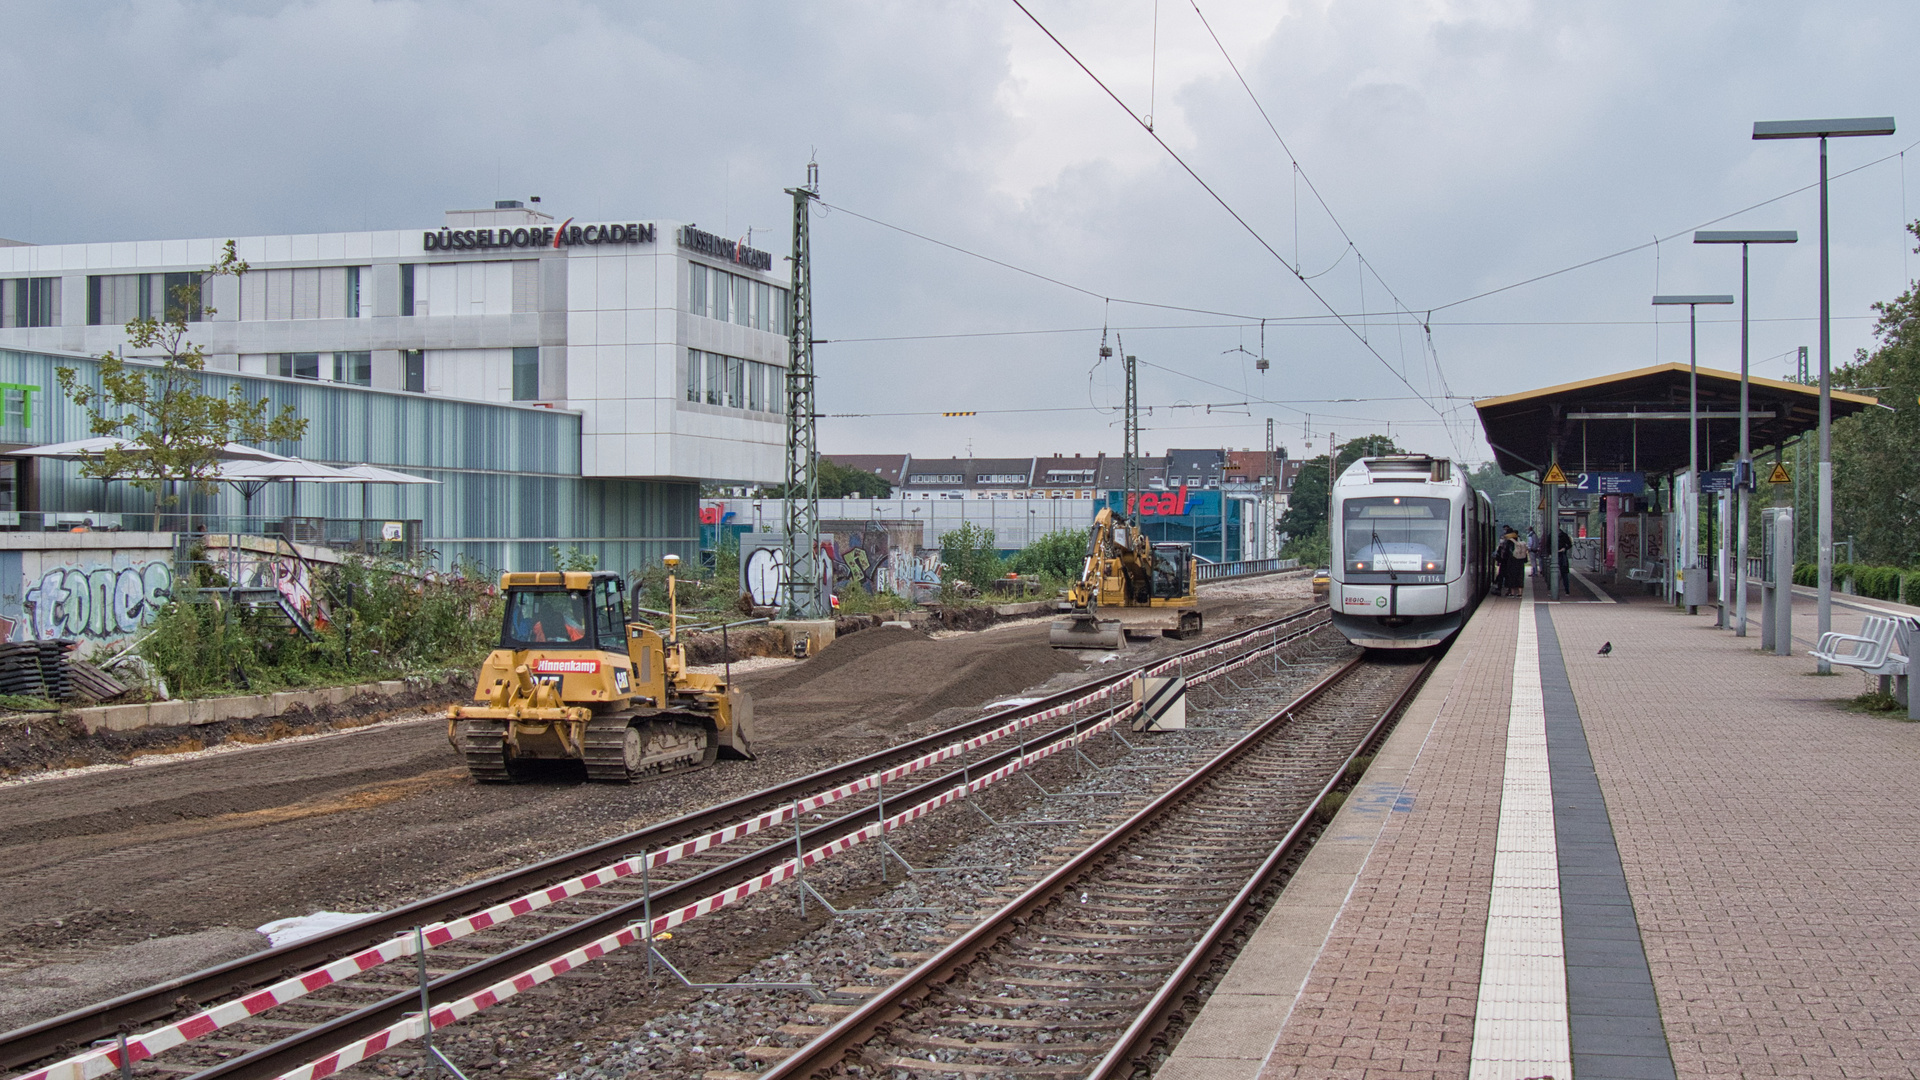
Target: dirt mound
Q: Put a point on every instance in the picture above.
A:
(888, 679)
(843, 651)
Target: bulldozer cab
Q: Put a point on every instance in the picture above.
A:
(1172, 575)
(564, 611)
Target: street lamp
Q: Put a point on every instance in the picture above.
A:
(1743, 472)
(1824, 130)
(1693, 302)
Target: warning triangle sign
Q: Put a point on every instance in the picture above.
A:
(1543, 502)
(1554, 475)
(1779, 475)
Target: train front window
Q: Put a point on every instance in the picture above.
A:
(1397, 534)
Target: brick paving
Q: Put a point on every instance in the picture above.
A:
(1393, 993)
(1767, 837)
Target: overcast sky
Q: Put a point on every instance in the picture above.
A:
(1461, 147)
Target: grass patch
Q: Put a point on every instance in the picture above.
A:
(1874, 701)
(26, 703)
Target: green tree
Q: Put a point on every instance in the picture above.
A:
(839, 481)
(968, 554)
(1876, 453)
(1307, 503)
(173, 429)
(1512, 497)
(1059, 555)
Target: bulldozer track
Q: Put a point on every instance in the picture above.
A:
(609, 759)
(304, 1029)
(483, 743)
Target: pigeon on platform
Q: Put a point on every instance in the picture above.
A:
(1606, 648)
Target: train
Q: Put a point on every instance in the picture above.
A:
(1413, 548)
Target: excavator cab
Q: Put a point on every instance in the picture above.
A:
(1172, 576)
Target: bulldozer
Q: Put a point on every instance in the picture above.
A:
(1128, 585)
(573, 680)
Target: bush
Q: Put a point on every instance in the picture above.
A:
(1874, 582)
(1056, 558)
(385, 617)
(968, 554)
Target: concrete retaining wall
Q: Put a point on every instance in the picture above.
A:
(240, 707)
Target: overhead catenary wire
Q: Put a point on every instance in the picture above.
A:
(1228, 207)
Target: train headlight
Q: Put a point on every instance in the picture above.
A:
(1359, 566)
(1433, 566)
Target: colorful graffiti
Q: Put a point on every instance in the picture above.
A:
(96, 602)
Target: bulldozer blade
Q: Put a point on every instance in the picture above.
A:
(1086, 634)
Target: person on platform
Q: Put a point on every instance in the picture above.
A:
(1522, 555)
(1502, 561)
(1516, 565)
(1565, 557)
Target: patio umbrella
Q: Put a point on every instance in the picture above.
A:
(252, 476)
(82, 449)
(374, 474)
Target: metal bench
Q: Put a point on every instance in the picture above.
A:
(1880, 648)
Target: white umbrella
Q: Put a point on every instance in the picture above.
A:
(81, 449)
(251, 476)
(366, 474)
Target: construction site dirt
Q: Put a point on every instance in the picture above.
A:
(120, 876)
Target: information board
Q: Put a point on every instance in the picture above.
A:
(1714, 483)
(1610, 483)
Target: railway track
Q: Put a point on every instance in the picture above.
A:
(1083, 974)
(255, 1027)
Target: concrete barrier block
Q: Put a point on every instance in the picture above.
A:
(113, 718)
(1029, 607)
(340, 695)
(817, 633)
(390, 687)
(167, 714)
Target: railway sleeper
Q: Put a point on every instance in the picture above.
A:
(970, 1069)
(942, 1042)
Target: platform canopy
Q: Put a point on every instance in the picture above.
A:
(1636, 421)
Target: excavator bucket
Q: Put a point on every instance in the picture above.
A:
(1085, 632)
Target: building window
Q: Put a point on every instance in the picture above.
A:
(300, 365)
(406, 288)
(715, 294)
(183, 299)
(733, 383)
(30, 302)
(526, 374)
(413, 363)
(353, 367)
(353, 292)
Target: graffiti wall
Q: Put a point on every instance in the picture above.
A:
(877, 556)
(93, 586)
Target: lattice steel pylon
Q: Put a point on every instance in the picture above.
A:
(802, 567)
(1131, 448)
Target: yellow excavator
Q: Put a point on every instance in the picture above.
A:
(1128, 585)
(574, 680)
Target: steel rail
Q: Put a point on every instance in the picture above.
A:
(301, 1047)
(1139, 1038)
(824, 1053)
(73, 1030)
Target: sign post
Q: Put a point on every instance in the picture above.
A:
(1550, 536)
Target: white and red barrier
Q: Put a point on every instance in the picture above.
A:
(100, 1062)
(461, 1008)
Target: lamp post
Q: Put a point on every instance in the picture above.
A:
(1824, 130)
(1743, 472)
(1693, 302)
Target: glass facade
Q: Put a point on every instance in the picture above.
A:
(509, 476)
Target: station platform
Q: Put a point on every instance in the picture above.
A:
(1684, 858)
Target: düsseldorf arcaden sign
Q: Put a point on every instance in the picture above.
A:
(566, 234)
(705, 243)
